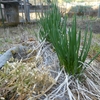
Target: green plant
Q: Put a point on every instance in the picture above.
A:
(67, 46)
(50, 19)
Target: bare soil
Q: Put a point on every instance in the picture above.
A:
(93, 24)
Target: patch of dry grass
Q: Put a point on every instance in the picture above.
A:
(18, 79)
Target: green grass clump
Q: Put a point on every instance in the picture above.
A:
(68, 47)
(51, 19)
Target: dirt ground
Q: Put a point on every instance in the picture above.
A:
(11, 36)
(94, 24)
(83, 22)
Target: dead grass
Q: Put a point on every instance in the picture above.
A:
(18, 79)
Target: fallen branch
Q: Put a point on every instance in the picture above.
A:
(12, 52)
